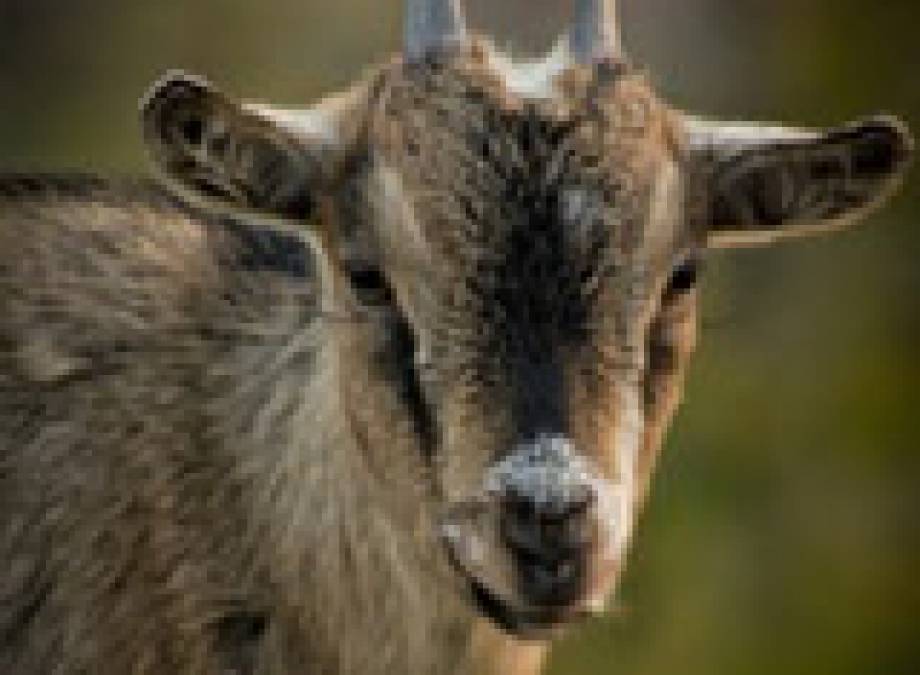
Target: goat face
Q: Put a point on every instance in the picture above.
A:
(508, 257)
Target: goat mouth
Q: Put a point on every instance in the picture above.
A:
(492, 577)
(526, 622)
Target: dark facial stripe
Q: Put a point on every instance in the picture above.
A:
(529, 280)
(410, 387)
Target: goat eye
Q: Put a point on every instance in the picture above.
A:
(683, 277)
(370, 285)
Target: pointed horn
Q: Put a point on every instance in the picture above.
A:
(432, 23)
(594, 34)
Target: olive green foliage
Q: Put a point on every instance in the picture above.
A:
(783, 534)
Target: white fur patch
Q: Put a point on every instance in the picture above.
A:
(547, 471)
(727, 139)
(665, 217)
(318, 123)
(534, 79)
(627, 442)
(394, 208)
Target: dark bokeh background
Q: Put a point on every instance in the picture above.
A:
(783, 535)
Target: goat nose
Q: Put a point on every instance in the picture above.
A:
(547, 528)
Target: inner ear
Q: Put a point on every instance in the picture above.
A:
(767, 183)
(215, 148)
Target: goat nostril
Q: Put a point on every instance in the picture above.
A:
(579, 505)
(547, 530)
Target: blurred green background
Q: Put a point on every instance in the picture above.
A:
(783, 535)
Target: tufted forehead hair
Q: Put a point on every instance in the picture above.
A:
(472, 149)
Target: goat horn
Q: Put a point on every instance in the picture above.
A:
(432, 23)
(594, 34)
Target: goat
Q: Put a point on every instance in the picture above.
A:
(376, 386)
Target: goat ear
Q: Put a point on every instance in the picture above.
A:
(760, 184)
(243, 156)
